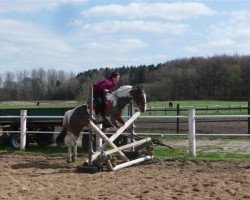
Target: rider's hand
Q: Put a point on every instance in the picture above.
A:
(106, 91)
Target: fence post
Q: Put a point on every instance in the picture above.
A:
(178, 120)
(132, 127)
(98, 142)
(248, 117)
(98, 138)
(90, 144)
(191, 128)
(23, 129)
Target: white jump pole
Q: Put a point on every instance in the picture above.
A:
(118, 132)
(121, 129)
(132, 128)
(98, 139)
(90, 143)
(23, 121)
(191, 127)
(127, 146)
(106, 139)
(132, 162)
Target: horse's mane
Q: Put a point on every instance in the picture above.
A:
(122, 91)
(124, 87)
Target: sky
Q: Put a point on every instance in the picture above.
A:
(78, 35)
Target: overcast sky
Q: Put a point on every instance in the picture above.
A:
(77, 35)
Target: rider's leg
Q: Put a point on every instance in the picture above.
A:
(97, 102)
(102, 105)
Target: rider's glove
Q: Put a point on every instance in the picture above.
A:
(106, 91)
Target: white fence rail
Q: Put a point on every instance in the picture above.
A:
(191, 118)
(23, 125)
(192, 131)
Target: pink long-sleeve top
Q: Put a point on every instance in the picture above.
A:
(107, 83)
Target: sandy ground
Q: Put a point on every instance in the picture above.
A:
(38, 177)
(51, 178)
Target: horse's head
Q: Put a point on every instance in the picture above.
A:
(139, 97)
(134, 93)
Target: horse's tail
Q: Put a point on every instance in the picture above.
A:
(60, 138)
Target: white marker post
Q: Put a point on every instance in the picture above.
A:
(23, 129)
(191, 127)
(98, 139)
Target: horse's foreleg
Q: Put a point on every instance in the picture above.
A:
(118, 122)
(114, 122)
(121, 121)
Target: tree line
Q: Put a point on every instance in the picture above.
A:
(38, 84)
(218, 77)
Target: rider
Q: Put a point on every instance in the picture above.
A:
(100, 90)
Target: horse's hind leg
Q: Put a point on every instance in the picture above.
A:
(69, 159)
(74, 155)
(71, 141)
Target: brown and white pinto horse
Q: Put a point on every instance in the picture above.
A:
(77, 118)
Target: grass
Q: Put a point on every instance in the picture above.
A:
(165, 153)
(204, 153)
(212, 156)
(185, 137)
(180, 154)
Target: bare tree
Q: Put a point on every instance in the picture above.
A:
(23, 85)
(1, 81)
(9, 87)
(38, 87)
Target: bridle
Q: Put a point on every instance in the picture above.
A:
(137, 100)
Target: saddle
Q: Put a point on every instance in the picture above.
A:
(107, 104)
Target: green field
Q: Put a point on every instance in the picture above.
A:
(34, 104)
(164, 105)
(202, 103)
(209, 107)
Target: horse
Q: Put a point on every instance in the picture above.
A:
(76, 119)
